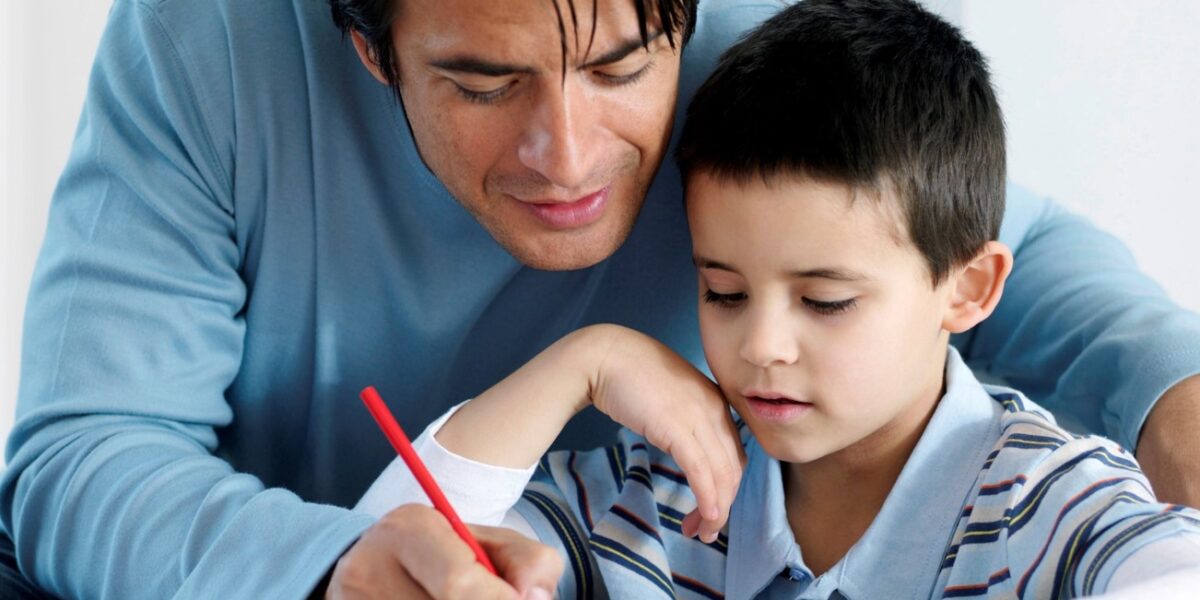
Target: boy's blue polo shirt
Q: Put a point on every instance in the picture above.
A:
(900, 553)
(994, 500)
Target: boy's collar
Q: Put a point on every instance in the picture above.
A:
(904, 546)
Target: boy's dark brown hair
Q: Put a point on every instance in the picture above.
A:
(877, 94)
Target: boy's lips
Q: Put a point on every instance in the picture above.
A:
(774, 406)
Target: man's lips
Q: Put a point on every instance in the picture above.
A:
(570, 214)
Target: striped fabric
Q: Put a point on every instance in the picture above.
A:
(995, 502)
(1052, 514)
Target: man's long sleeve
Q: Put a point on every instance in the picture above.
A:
(132, 336)
(1080, 329)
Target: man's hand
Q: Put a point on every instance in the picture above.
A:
(650, 389)
(1169, 446)
(413, 553)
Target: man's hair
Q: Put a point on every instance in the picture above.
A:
(373, 19)
(876, 94)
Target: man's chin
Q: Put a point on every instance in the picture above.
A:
(564, 257)
(566, 251)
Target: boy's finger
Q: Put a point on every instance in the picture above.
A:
(689, 453)
(691, 523)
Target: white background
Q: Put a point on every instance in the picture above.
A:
(1100, 98)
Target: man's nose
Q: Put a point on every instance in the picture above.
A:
(769, 339)
(557, 142)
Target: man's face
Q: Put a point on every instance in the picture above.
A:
(555, 168)
(817, 315)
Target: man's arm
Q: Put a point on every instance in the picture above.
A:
(1087, 335)
(132, 336)
(1169, 448)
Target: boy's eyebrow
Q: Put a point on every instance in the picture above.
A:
(473, 65)
(827, 273)
(822, 273)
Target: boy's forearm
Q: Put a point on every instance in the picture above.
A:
(513, 423)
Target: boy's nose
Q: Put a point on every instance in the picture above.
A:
(769, 341)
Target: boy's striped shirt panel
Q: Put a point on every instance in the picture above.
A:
(1053, 514)
(1050, 515)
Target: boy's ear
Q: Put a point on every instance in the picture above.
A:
(978, 288)
(367, 58)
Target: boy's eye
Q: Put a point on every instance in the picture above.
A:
(829, 308)
(724, 300)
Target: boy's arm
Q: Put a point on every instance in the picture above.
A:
(1088, 336)
(634, 379)
(1166, 569)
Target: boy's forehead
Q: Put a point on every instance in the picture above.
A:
(779, 227)
(878, 205)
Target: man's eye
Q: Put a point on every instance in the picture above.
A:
(485, 97)
(829, 308)
(626, 79)
(724, 300)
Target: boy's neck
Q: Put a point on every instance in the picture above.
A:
(833, 500)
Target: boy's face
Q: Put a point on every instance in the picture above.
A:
(817, 314)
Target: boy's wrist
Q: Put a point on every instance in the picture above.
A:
(588, 352)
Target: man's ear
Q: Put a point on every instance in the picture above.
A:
(367, 57)
(978, 287)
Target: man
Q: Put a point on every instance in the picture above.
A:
(251, 228)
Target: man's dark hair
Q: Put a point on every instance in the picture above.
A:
(373, 20)
(876, 94)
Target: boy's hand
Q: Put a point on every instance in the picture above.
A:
(650, 389)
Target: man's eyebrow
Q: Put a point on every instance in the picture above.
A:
(478, 66)
(621, 51)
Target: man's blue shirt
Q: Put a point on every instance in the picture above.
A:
(244, 236)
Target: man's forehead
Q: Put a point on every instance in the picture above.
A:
(520, 31)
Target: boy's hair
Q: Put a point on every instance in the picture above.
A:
(877, 94)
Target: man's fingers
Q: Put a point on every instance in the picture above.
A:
(526, 564)
(441, 563)
(369, 571)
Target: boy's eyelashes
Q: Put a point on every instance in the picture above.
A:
(829, 308)
(724, 300)
(735, 299)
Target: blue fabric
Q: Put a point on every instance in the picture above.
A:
(244, 236)
(994, 501)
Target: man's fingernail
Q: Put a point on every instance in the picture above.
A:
(538, 593)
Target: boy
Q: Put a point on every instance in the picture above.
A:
(845, 185)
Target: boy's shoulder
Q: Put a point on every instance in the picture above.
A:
(1032, 447)
(1052, 510)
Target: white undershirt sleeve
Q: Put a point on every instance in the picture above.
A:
(482, 494)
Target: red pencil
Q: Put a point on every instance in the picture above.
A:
(404, 448)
